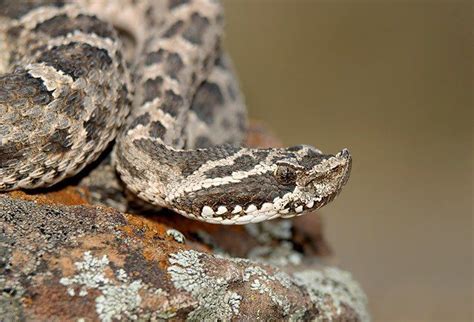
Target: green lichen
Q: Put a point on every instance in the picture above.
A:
(118, 300)
(332, 291)
(10, 301)
(215, 301)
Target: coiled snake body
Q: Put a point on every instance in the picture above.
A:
(69, 87)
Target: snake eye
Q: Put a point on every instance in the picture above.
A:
(285, 174)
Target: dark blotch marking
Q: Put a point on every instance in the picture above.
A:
(21, 91)
(96, 124)
(16, 9)
(154, 57)
(11, 153)
(173, 29)
(157, 130)
(134, 172)
(21, 87)
(171, 103)
(14, 32)
(156, 151)
(143, 119)
(192, 160)
(152, 88)
(188, 161)
(176, 3)
(206, 100)
(174, 64)
(195, 30)
(72, 104)
(76, 59)
(58, 142)
(242, 163)
(123, 100)
(62, 25)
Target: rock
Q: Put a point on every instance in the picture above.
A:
(72, 262)
(64, 259)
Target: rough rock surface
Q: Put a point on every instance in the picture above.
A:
(63, 259)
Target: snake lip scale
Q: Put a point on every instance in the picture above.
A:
(165, 90)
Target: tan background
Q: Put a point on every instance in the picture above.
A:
(392, 81)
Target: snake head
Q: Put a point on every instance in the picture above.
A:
(239, 186)
(316, 179)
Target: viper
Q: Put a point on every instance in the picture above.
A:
(153, 76)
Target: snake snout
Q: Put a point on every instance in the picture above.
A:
(331, 174)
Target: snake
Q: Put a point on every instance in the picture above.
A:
(151, 78)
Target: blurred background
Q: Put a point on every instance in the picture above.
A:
(391, 81)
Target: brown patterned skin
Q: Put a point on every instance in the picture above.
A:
(66, 90)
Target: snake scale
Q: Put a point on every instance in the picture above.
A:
(151, 75)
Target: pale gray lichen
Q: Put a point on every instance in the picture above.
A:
(11, 293)
(191, 276)
(262, 283)
(337, 285)
(215, 301)
(282, 254)
(329, 289)
(275, 246)
(267, 231)
(177, 235)
(116, 301)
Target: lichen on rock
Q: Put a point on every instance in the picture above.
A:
(216, 300)
(222, 285)
(118, 299)
(64, 259)
(333, 291)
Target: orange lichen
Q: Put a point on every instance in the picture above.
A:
(20, 258)
(69, 196)
(153, 236)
